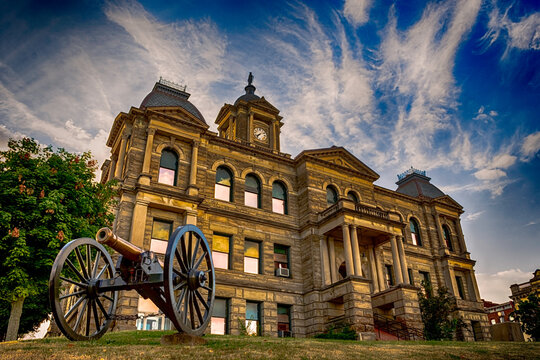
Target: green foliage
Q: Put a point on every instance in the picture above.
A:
(47, 198)
(528, 314)
(437, 311)
(344, 333)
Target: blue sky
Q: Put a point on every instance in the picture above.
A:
(450, 87)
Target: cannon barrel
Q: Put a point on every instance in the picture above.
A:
(105, 236)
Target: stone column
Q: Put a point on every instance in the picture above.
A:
(440, 233)
(192, 187)
(144, 178)
(448, 278)
(474, 285)
(325, 262)
(112, 168)
(403, 260)
(332, 256)
(373, 270)
(395, 258)
(380, 275)
(347, 248)
(121, 156)
(356, 252)
(461, 238)
(138, 223)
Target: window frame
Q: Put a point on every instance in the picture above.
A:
(352, 194)
(289, 313)
(259, 259)
(285, 197)
(288, 253)
(460, 288)
(259, 320)
(414, 227)
(447, 235)
(227, 316)
(389, 275)
(175, 169)
(221, 252)
(152, 238)
(258, 191)
(332, 189)
(218, 183)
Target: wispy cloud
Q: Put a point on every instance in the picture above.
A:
(523, 34)
(474, 216)
(530, 146)
(496, 287)
(357, 11)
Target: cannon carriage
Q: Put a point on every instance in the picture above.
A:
(84, 282)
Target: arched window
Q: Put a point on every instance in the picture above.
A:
(415, 232)
(352, 196)
(252, 193)
(331, 195)
(168, 168)
(224, 184)
(447, 238)
(279, 198)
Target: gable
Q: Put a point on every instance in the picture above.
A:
(341, 157)
(447, 200)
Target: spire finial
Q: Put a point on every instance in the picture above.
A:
(250, 78)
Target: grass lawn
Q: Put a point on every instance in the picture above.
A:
(145, 345)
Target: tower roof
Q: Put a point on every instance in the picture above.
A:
(250, 92)
(414, 182)
(166, 93)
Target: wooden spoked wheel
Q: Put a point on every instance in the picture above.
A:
(80, 309)
(189, 280)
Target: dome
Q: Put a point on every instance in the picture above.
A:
(250, 92)
(166, 93)
(415, 183)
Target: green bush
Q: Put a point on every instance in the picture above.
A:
(344, 333)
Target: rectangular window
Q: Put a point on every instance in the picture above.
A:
(281, 260)
(459, 283)
(284, 320)
(252, 251)
(220, 250)
(253, 323)
(251, 199)
(411, 276)
(389, 275)
(424, 275)
(220, 317)
(161, 231)
(223, 192)
(166, 176)
(278, 206)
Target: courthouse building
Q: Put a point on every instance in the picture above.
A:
(300, 245)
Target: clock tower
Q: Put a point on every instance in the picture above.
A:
(252, 120)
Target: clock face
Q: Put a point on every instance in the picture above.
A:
(260, 134)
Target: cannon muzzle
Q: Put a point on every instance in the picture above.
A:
(105, 236)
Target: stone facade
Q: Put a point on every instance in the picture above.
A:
(350, 248)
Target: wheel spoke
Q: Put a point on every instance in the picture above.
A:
(72, 294)
(74, 269)
(192, 317)
(179, 303)
(88, 318)
(74, 282)
(107, 297)
(81, 262)
(185, 312)
(77, 323)
(181, 284)
(206, 288)
(180, 259)
(179, 273)
(190, 245)
(96, 263)
(198, 262)
(102, 308)
(201, 299)
(102, 271)
(70, 312)
(194, 256)
(198, 310)
(96, 316)
(88, 260)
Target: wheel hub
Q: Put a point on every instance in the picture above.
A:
(196, 279)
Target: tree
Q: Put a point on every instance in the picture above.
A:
(437, 313)
(47, 198)
(528, 314)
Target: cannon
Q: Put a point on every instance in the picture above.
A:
(84, 283)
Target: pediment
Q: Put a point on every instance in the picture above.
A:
(341, 157)
(262, 102)
(447, 200)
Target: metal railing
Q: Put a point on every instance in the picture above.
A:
(366, 210)
(397, 328)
